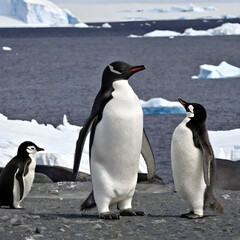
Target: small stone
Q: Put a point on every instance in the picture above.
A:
(16, 222)
(36, 217)
(4, 218)
(226, 196)
(97, 227)
(78, 235)
(1, 229)
(62, 229)
(158, 221)
(53, 192)
(140, 225)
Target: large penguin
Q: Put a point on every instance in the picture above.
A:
(193, 162)
(117, 138)
(17, 177)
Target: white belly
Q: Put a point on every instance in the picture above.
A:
(187, 166)
(28, 179)
(27, 184)
(117, 144)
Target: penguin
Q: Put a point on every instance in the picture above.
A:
(17, 177)
(117, 139)
(193, 162)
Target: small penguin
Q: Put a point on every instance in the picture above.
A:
(17, 177)
(117, 139)
(193, 162)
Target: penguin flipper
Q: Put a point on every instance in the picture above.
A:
(22, 171)
(148, 156)
(208, 158)
(80, 144)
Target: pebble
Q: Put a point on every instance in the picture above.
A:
(16, 222)
(4, 218)
(97, 227)
(141, 225)
(53, 192)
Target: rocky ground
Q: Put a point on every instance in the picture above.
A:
(52, 212)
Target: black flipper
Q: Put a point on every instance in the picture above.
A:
(22, 171)
(101, 100)
(209, 166)
(148, 156)
(80, 144)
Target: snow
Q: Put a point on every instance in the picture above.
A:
(161, 106)
(34, 13)
(224, 29)
(223, 70)
(59, 143)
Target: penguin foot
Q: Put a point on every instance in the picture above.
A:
(191, 215)
(109, 216)
(131, 212)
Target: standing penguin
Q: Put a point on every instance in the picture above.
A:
(116, 141)
(193, 162)
(17, 177)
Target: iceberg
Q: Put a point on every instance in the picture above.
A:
(37, 12)
(223, 70)
(161, 106)
(224, 29)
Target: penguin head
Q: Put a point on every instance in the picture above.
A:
(27, 148)
(196, 112)
(119, 71)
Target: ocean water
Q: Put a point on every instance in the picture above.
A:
(52, 72)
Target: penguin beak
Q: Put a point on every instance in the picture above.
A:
(39, 149)
(182, 102)
(137, 68)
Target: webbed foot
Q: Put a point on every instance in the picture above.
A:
(131, 212)
(191, 215)
(109, 216)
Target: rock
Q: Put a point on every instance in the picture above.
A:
(16, 221)
(4, 218)
(97, 227)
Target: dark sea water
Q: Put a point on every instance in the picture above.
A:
(51, 72)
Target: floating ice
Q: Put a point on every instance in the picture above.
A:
(161, 106)
(106, 25)
(5, 48)
(223, 70)
(224, 29)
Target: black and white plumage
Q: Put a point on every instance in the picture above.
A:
(117, 138)
(17, 177)
(193, 161)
